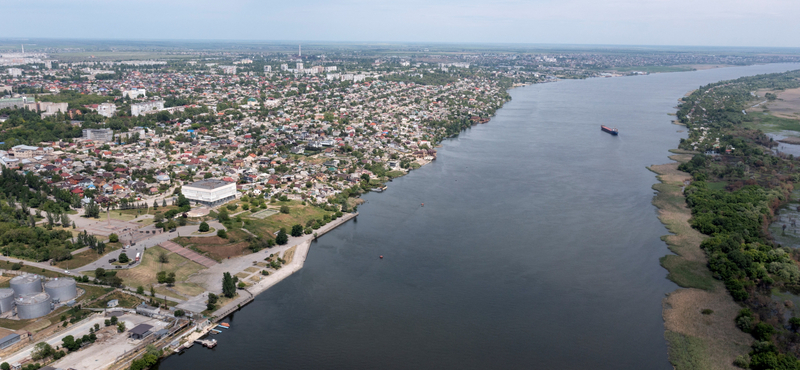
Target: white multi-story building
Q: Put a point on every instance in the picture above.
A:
(139, 108)
(15, 72)
(299, 66)
(106, 109)
(210, 192)
(103, 134)
(267, 68)
(284, 67)
(330, 69)
(134, 93)
(228, 70)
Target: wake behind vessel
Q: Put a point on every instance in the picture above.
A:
(612, 131)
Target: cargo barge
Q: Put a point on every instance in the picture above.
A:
(612, 131)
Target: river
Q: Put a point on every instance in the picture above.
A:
(537, 247)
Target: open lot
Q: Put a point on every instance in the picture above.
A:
(787, 105)
(218, 248)
(145, 273)
(108, 347)
(298, 214)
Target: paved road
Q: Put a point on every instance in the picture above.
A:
(147, 243)
(76, 331)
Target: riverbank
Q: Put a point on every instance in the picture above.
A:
(697, 338)
(301, 245)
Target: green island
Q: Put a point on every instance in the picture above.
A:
(719, 199)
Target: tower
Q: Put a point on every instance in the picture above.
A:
(23, 49)
(299, 50)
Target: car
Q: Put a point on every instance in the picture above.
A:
(118, 266)
(112, 260)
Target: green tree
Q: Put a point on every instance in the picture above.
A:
(5, 366)
(69, 343)
(140, 290)
(223, 215)
(222, 234)
(228, 285)
(123, 258)
(113, 238)
(297, 230)
(41, 350)
(203, 227)
(170, 279)
(285, 209)
(282, 238)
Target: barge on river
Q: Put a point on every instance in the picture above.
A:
(612, 131)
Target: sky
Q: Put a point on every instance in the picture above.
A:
(760, 23)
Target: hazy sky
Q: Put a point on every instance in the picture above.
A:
(638, 22)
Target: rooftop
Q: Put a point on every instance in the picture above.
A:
(209, 184)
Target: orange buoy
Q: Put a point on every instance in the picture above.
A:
(423, 204)
(381, 257)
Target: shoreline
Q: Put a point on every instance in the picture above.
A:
(303, 246)
(695, 340)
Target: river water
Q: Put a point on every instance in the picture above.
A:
(537, 247)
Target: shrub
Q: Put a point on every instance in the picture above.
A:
(222, 234)
(203, 227)
(113, 238)
(285, 209)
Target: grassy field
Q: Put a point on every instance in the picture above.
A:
(218, 248)
(86, 257)
(298, 214)
(93, 291)
(30, 269)
(145, 273)
(769, 123)
(125, 300)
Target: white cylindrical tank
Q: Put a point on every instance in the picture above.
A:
(26, 284)
(6, 300)
(31, 306)
(61, 289)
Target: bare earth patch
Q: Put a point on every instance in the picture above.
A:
(786, 106)
(289, 254)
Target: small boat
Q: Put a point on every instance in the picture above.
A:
(612, 131)
(224, 325)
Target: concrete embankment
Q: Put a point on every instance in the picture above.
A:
(303, 245)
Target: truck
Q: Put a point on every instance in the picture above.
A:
(137, 257)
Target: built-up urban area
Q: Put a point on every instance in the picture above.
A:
(143, 200)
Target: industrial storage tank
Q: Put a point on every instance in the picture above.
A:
(61, 290)
(6, 300)
(26, 284)
(31, 306)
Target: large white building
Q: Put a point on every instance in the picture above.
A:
(102, 134)
(134, 93)
(139, 108)
(210, 192)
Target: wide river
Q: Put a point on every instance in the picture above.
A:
(537, 248)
